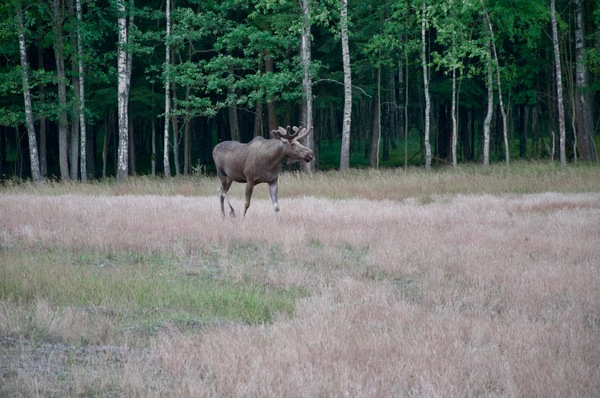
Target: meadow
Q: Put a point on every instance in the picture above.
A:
(468, 282)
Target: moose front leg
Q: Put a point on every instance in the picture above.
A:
(249, 189)
(273, 192)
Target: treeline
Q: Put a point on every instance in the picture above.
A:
(92, 88)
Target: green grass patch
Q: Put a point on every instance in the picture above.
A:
(142, 291)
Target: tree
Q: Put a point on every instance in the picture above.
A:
(167, 167)
(239, 58)
(425, 85)
(376, 137)
(307, 81)
(83, 143)
(124, 78)
(490, 105)
(345, 150)
(33, 152)
(59, 54)
(559, 88)
(451, 23)
(585, 123)
(498, 82)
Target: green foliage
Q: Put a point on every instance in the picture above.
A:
(220, 52)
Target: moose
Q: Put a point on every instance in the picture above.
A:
(257, 162)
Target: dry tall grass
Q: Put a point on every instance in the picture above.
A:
(431, 295)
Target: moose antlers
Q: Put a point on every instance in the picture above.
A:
(284, 133)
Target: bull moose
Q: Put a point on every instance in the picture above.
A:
(257, 162)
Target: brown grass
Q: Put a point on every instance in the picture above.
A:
(445, 294)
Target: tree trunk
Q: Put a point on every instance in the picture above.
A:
(108, 121)
(83, 132)
(272, 116)
(131, 148)
(425, 88)
(498, 81)
(585, 123)
(307, 105)
(63, 124)
(406, 98)
(234, 126)
(186, 139)
(123, 94)
(153, 145)
(454, 120)
(186, 132)
(167, 166)
(559, 89)
(524, 123)
(43, 145)
(376, 137)
(258, 122)
(175, 122)
(33, 151)
(534, 131)
(487, 122)
(74, 137)
(345, 150)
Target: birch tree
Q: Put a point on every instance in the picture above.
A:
(167, 166)
(499, 84)
(345, 150)
(490, 105)
(123, 76)
(425, 86)
(74, 137)
(33, 151)
(307, 81)
(82, 134)
(559, 89)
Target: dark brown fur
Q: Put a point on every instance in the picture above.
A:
(257, 162)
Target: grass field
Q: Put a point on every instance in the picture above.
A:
(469, 282)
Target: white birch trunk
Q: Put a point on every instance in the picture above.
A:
(559, 89)
(309, 141)
(454, 119)
(33, 151)
(490, 109)
(82, 134)
(123, 150)
(345, 151)
(425, 87)
(167, 166)
(498, 81)
(406, 98)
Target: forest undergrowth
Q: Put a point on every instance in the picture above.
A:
(372, 283)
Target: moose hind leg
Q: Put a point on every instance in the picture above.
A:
(225, 185)
(273, 192)
(249, 190)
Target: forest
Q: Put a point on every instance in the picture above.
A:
(95, 89)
